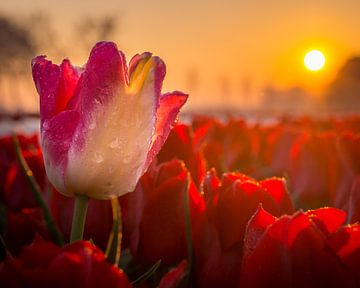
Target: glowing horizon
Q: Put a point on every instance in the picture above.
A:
(232, 49)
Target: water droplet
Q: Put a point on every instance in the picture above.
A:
(46, 125)
(115, 143)
(92, 124)
(126, 159)
(98, 158)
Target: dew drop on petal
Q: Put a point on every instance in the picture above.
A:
(126, 159)
(98, 158)
(92, 124)
(46, 125)
(97, 101)
(115, 143)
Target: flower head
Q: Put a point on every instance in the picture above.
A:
(101, 125)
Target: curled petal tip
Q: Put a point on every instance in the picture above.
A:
(38, 59)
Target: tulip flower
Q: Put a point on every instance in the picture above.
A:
(43, 264)
(293, 250)
(102, 124)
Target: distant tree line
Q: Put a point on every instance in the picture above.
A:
(21, 40)
(343, 94)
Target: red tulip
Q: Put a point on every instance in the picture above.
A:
(43, 264)
(160, 214)
(22, 227)
(291, 251)
(8, 156)
(239, 197)
(182, 145)
(228, 147)
(17, 190)
(346, 244)
(230, 204)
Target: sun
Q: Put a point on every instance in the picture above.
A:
(314, 60)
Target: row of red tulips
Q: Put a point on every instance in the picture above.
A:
(243, 232)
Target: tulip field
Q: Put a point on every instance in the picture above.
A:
(273, 205)
(112, 191)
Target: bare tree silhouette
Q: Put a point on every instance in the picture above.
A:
(22, 39)
(16, 50)
(91, 30)
(44, 37)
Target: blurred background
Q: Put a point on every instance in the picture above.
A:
(234, 56)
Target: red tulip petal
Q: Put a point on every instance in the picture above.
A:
(327, 219)
(17, 191)
(162, 227)
(168, 170)
(84, 265)
(214, 266)
(169, 107)
(104, 74)
(278, 190)
(55, 85)
(256, 228)
(211, 189)
(292, 253)
(132, 207)
(237, 203)
(57, 138)
(346, 244)
(23, 227)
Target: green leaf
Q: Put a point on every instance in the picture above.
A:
(36, 190)
(113, 249)
(147, 274)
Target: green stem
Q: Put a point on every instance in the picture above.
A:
(36, 190)
(79, 217)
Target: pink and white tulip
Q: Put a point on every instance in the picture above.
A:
(102, 125)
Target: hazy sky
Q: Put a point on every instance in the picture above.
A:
(223, 46)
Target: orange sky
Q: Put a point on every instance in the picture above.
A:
(223, 43)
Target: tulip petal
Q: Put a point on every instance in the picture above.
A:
(57, 138)
(256, 228)
(103, 76)
(55, 85)
(327, 219)
(292, 253)
(166, 114)
(119, 123)
(138, 65)
(277, 188)
(137, 62)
